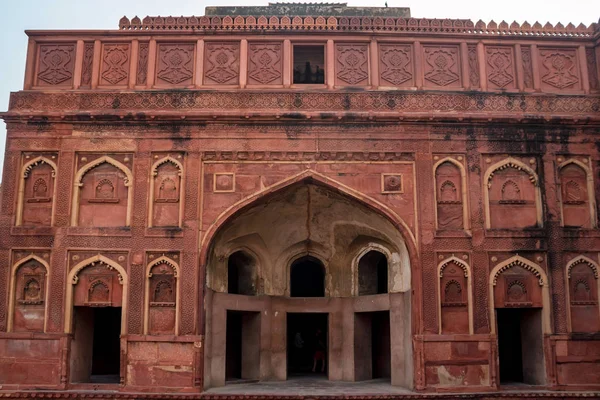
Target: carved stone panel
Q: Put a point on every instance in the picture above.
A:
(500, 67)
(30, 295)
(527, 67)
(449, 197)
(162, 298)
(454, 299)
(142, 66)
(517, 287)
(396, 65)
(222, 63)
(38, 195)
(265, 63)
(87, 65)
(55, 65)
(167, 195)
(559, 69)
(512, 200)
(175, 64)
(115, 64)
(441, 66)
(583, 295)
(473, 66)
(590, 55)
(352, 64)
(98, 285)
(575, 197)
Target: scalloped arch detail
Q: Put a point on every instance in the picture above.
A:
(456, 260)
(582, 260)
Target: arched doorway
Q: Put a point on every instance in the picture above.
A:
(307, 238)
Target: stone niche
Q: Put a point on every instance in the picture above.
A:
(29, 297)
(576, 211)
(166, 187)
(449, 197)
(582, 274)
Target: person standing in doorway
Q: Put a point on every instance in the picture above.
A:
(319, 354)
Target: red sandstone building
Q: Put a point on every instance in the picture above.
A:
(183, 196)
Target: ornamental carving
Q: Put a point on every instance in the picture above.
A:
(473, 66)
(142, 67)
(442, 65)
(265, 63)
(87, 66)
(352, 64)
(175, 64)
(396, 64)
(575, 199)
(115, 64)
(590, 55)
(28, 313)
(56, 64)
(222, 63)
(559, 68)
(500, 67)
(527, 67)
(448, 181)
(38, 192)
(583, 295)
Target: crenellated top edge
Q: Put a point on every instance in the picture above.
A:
(356, 23)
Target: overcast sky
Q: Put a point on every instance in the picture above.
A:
(18, 15)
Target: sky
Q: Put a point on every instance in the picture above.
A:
(19, 15)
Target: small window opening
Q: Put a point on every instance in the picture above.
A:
(309, 65)
(372, 274)
(241, 274)
(307, 278)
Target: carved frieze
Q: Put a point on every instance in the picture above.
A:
(115, 64)
(559, 69)
(396, 65)
(222, 63)
(352, 64)
(441, 66)
(175, 64)
(500, 67)
(56, 63)
(265, 63)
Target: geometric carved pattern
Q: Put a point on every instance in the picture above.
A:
(222, 63)
(56, 64)
(441, 65)
(176, 63)
(142, 67)
(473, 66)
(352, 63)
(396, 64)
(590, 55)
(448, 182)
(265, 63)
(516, 290)
(88, 59)
(560, 68)
(115, 63)
(527, 67)
(500, 66)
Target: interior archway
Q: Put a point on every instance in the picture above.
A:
(305, 239)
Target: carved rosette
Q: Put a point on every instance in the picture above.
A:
(559, 69)
(115, 64)
(352, 64)
(265, 64)
(175, 64)
(500, 67)
(56, 64)
(222, 63)
(395, 64)
(441, 66)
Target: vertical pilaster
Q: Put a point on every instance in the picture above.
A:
(96, 64)
(464, 64)
(519, 68)
(418, 66)
(374, 61)
(243, 63)
(30, 64)
(535, 67)
(199, 71)
(287, 63)
(330, 68)
(585, 77)
(481, 59)
(133, 63)
(152, 49)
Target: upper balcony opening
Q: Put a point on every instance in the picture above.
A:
(309, 64)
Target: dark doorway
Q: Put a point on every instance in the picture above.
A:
(95, 349)
(307, 337)
(372, 274)
(242, 351)
(520, 347)
(309, 64)
(372, 345)
(307, 278)
(240, 274)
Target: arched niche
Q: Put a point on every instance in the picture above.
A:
(450, 195)
(583, 293)
(455, 296)
(307, 277)
(82, 285)
(519, 283)
(242, 273)
(36, 193)
(166, 193)
(372, 270)
(102, 194)
(28, 295)
(512, 196)
(162, 298)
(577, 195)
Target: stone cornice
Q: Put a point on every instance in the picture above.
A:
(279, 105)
